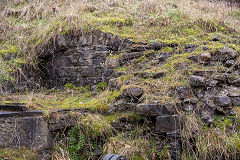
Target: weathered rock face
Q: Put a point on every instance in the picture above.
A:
(30, 132)
(80, 58)
(80, 66)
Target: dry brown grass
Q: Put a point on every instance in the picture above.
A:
(208, 143)
(29, 24)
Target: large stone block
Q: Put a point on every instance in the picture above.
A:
(31, 132)
(168, 123)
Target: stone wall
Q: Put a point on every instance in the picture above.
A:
(77, 57)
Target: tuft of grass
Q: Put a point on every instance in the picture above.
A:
(205, 142)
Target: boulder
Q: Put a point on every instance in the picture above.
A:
(197, 81)
(153, 110)
(205, 56)
(223, 101)
(134, 93)
(224, 54)
(168, 123)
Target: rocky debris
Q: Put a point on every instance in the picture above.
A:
(133, 94)
(183, 92)
(197, 81)
(112, 62)
(216, 38)
(204, 48)
(203, 73)
(211, 83)
(234, 94)
(234, 80)
(220, 77)
(153, 110)
(205, 56)
(224, 54)
(189, 48)
(113, 84)
(156, 46)
(229, 63)
(207, 115)
(128, 56)
(122, 106)
(138, 48)
(168, 123)
(162, 56)
(223, 101)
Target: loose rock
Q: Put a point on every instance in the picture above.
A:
(197, 81)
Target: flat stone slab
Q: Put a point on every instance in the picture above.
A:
(13, 107)
(20, 114)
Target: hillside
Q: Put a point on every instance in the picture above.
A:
(147, 79)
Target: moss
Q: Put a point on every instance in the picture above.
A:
(166, 49)
(17, 154)
(8, 49)
(222, 123)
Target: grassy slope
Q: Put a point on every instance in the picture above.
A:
(26, 26)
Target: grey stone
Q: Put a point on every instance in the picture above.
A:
(88, 72)
(113, 83)
(229, 63)
(168, 123)
(162, 56)
(129, 56)
(235, 101)
(191, 46)
(112, 62)
(223, 101)
(211, 83)
(153, 110)
(234, 80)
(224, 54)
(134, 92)
(29, 132)
(205, 56)
(156, 46)
(159, 74)
(197, 81)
